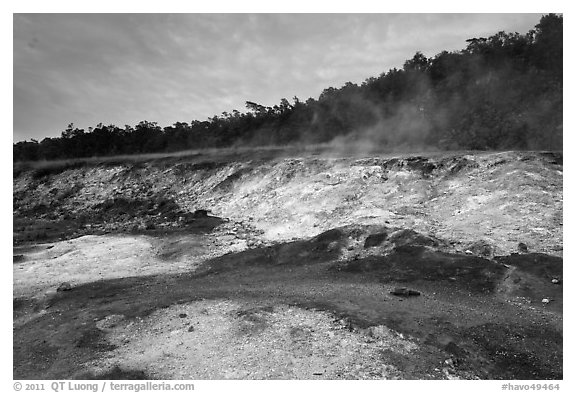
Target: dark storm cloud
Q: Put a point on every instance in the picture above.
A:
(123, 68)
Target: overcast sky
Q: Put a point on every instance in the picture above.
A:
(122, 69)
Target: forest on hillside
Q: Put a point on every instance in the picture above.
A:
(500, 92)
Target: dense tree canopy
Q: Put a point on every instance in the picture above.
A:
(500, 92)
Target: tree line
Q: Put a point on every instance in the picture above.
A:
(500, 92)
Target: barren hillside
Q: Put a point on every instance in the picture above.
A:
(255, 264)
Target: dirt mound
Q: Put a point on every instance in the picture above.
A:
(414, 263)
(325, 247)
(410, 237)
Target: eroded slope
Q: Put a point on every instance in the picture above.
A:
(296, 260)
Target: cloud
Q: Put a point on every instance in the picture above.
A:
(124, 68)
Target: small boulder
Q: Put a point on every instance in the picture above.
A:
(522, 248)
(375, 239)
(200, 213)
(65, 286)
(482, 249)
(556, 281)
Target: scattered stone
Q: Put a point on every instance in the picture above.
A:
(18, 258)
(200, 213)
(345, 324)
(110, 321)
(191, 329)
(555, 281)
(522, 248)
(182, 315)
(65, 286)
(333, 246)
(545, 301)
(405, 292)
(379, 332)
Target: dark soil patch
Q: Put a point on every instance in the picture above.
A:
(94, 339)
(412, 263)
(116, 373)
(323, 248)
(540, 265)
(462, 319)
(30, 230)
(531, 278)
(519, 352)
(22, 306)
(32, 357)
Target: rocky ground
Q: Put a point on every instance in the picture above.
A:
(251, 265)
